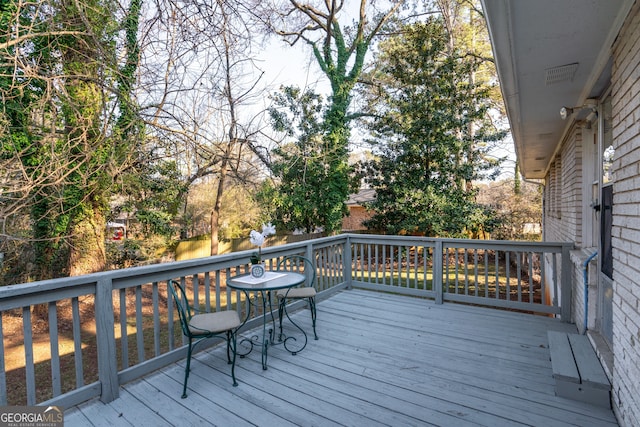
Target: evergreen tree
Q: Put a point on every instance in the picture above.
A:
(427, 152)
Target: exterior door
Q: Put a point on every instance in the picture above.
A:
(605, 286)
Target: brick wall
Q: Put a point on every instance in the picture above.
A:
(353, 222)
(626, 221)
(564, 215)
(563, 192)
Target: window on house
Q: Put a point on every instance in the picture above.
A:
(554, 186)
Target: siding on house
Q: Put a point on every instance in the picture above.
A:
(564, 213)
(626, 220)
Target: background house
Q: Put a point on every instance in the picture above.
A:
(357, 212)
(583, 55)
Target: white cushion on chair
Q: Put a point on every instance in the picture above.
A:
(304, 292)
(214, 322)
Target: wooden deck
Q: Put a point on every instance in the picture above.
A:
(381, 360)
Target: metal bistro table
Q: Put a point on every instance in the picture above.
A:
(262, 287)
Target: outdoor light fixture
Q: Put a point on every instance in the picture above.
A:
(565, 112)
(588, 104)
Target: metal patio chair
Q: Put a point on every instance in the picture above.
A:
(197, 327)
(302, 265)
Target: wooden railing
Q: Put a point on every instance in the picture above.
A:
(515, 275)
(82, 337)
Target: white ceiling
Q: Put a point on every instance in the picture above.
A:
(550, 54)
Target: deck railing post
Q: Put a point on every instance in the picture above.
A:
(437, 271)
(106, 341)
(565, 279)
(347, 262)
(308, 254)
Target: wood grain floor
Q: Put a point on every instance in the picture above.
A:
(381, 360)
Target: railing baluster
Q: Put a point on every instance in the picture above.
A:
(328, 255)
(391, 263)
(519, 276)
(403, 258)
(195, 286)
(322, 269)
(156, 319)
(331, 258)
(384, 264)
(466, 270)
(216, 278)
(446, 269)
(139, 325)
(456, 261)
(530, 274)
(54, 345)
(124, 340)
(207, 291)
(496, 259)
(425, 254)
(408, 253)
(3, 371)
(331, 268)
(171, 323)
(369, 273)
(475, 271)
(507, 271)
(28, 355)
(486, 273)
(377, 257)
(416, 264)
(362, 257)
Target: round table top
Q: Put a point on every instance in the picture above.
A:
(272, 280)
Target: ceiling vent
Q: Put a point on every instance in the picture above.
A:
(564, 73)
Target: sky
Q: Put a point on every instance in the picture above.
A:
(295, 65)
(288, 65)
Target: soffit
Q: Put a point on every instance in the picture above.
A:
(550, 54)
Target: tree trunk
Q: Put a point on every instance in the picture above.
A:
(87, 247)
(215, 212)
(215, 219)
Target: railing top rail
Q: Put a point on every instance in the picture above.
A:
(157, 272)
(165, 271)
(460, 243)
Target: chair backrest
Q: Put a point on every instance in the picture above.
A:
(299, 264)
(182, 304)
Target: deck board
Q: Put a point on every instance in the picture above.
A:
(381, 360)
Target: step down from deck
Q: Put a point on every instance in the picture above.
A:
(576, 369)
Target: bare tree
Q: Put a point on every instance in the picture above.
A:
(203, 113)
